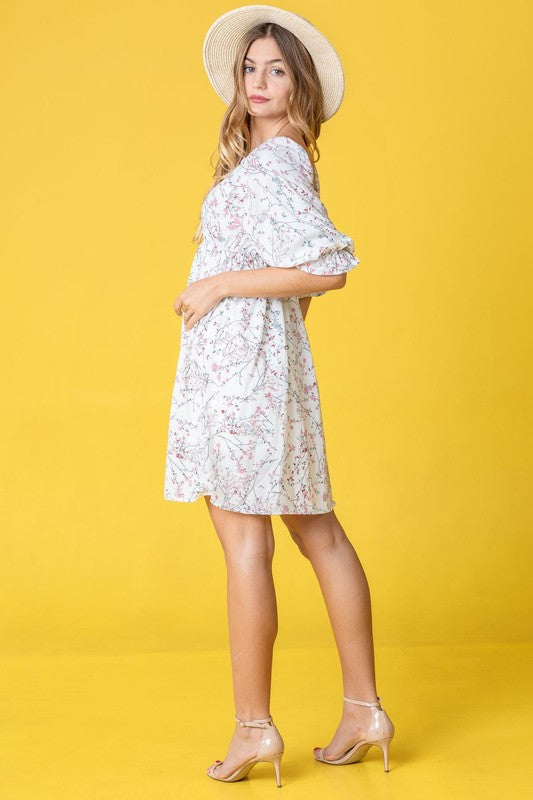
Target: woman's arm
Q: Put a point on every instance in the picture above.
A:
(275, 282)
(204, 294)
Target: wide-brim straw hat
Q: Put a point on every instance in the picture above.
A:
(223, 37)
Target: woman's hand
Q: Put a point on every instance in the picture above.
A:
(197, 299)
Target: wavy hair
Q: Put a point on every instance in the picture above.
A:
(305, 107)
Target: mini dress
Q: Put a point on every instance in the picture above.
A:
(245, 421)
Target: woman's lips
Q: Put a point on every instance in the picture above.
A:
(259, 99)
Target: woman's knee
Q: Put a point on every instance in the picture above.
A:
(294, 526)
(313, 532)
(243, 536)
(298, 540)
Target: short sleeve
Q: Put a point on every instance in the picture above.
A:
(285, 217)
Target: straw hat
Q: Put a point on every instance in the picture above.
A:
(222, 39)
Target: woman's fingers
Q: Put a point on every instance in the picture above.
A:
(190, 321)
(179, 306)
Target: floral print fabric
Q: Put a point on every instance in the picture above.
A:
(245, 419)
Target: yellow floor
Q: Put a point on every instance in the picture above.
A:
(145, 726)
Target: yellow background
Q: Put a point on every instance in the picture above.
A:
(423, 359)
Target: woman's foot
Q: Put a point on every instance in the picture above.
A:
(243, 746)
(352, 729)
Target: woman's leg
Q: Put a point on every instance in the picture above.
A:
(322, 539)
(248, 544)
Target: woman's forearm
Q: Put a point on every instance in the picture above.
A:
(275, 282)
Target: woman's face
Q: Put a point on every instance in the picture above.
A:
(265, 75)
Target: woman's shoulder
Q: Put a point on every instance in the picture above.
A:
(280, 156)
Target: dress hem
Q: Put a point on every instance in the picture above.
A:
(238, 510)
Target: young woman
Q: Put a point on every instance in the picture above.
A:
(245, 423)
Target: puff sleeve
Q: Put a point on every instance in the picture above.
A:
(286, 219)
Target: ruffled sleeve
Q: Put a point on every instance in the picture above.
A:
(285, 217)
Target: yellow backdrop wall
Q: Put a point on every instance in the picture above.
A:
(109, 123)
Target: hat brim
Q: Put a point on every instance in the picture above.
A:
(222, 39)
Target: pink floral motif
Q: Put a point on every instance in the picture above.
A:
(245, 419)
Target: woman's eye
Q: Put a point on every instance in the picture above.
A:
(275, 69)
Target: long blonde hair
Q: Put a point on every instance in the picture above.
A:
(305, 107)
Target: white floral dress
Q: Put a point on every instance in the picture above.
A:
(245, 419)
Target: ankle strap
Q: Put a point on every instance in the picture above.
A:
(362, 702)
(256, 723)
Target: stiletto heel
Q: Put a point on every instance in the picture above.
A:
(384, 744)
(271, 748)
(379, 732)
(276, 760)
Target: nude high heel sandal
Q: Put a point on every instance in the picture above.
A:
(271, 748)
(379, 732)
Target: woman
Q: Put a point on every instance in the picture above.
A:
(245, 425)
